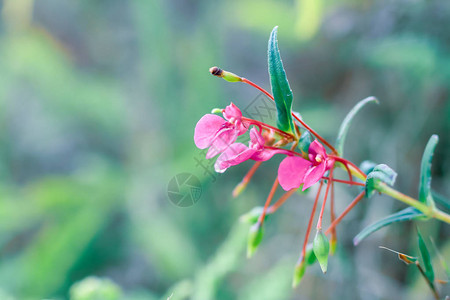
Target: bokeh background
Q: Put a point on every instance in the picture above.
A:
(98, 104)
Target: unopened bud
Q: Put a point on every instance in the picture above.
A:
(333, 244)
(321, 248)
(217, 110)
(255, 236)
(310, 257)
(299, 271)
(252, 216)
(239, 189)
(228, 76)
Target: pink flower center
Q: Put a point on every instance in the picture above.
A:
(319, 158)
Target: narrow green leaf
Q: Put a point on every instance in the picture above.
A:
(381, 173)
(281, 90)
(346, 123)
(426, 258)
(440, 199)
(406, 214)
(425, 172)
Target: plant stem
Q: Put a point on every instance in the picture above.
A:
(344, 181)
(430, 284)
(345, 212)
(311, 218)
(241, 186)
(274, 207)
(269, 199)
(319, 221)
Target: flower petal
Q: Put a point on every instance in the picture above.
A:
(206, 129)
(314, 174)
(233, 155)
(291, 172)
(256, 139)
(223, 139)
(317, 148)
(232, 111)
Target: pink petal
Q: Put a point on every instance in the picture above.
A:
(206, 129)
(265, 154)
(291, 172)
(223, 139)
(232, 111)
(256, 138)
(314, 174)
(317, 148)
(233, 155)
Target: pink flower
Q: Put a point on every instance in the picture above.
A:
(293, 170)
(218, 134)
(238, 152)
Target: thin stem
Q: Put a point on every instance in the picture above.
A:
(286, 151)
(345, 212)
(274, 207)
(267, 126)
(430, 284)
(241, 186)
(245, 80)
(332, 213)
(344, 181)
(311, 218)
(269, 199)
(319, 221)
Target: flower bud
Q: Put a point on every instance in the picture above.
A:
(300, 269)
(310, 257)
(217, 110)
(255, 236)
(321, 248)
(333, 244)
(252, 216)
(228, 76)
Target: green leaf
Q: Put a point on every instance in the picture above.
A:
(425, 172)
(281, 90)
(406, 214)
(346, 123)
(367, 166)
(304, 142)
(381, 173)
(440, 199)
(426, 258)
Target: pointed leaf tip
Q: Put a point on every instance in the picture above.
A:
(425, 194)
(347, 121)
(281, 90)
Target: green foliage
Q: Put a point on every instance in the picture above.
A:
(406, 214)
(380, 173)
(426, 258)
(93, 288)
(425, 194)
(281, 90)
(347, 121)
(304, 141)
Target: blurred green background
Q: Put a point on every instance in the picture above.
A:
(98, 104)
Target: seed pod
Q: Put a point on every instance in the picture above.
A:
(255, 236)
(228, 76)
(321, 248)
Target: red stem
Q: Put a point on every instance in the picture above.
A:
(273, 208)
(319, 221)
(267, 126)
(332, 215)
(246, 178)
(344, 181)
(308, 230)
(345, 212)
(245, 80)
(269, 199)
